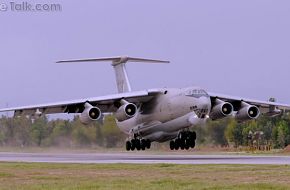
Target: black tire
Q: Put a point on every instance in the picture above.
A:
(143, 144)
(128, 145)
(182, 136)
(133, 144)
(192, 145)
(176, 144)
(187, 144)
(190, 135)
(138, 144)
(172, 145)
(182, 144)
(148, 144)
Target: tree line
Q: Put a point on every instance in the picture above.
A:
(41, 132)
(275, 132)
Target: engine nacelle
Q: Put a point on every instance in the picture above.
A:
(126, 111)
(90, 114)
(221, 109)
(247, 112)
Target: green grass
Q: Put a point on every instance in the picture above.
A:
(45, 176)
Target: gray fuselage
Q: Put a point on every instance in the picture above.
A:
(164, 116)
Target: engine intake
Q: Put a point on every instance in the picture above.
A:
(247, 112)
(221, 109)
(126, 111)
(90, 114)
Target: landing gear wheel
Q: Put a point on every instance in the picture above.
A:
(192, 139)
(172, 145)
(133, 144)
(192, 145)
(176, 144)
(182, 144)
(148, 144)
(182, 135)
(187, 145)
(128, 145)
(143, 144)
(192, 135)
(138, 144)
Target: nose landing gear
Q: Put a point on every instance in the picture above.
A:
(185, 140)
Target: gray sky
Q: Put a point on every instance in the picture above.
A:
(238, 48)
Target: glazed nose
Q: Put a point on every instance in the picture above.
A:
(203, 107)
(204, 103)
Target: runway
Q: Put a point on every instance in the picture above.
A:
(141, 158)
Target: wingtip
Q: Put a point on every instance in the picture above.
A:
(58, 61)
(61, 61)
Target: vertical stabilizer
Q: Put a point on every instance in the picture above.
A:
(119, 64)
(122, 80)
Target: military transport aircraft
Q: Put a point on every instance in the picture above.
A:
(160, 115)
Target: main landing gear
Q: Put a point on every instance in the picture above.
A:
(138, 144)
(185, 140)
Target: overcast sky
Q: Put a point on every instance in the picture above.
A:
(240, 48)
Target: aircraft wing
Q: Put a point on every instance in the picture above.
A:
(264, 106)
(105, 103)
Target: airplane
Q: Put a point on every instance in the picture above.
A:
(155, 115)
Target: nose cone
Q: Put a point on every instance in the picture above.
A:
(204, 103)
(203, 107)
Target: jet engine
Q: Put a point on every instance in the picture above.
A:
(90, 114)
(126, 111)
(221, 109)
(247, 112)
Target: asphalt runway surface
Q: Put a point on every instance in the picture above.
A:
(141, 158)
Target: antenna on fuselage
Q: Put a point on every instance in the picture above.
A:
(119, 64)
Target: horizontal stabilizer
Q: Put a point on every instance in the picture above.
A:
(116, 60)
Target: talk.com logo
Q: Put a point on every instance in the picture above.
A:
(30, 7)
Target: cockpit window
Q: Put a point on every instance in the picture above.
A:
(197, 93)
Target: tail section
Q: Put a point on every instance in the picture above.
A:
(119, 64)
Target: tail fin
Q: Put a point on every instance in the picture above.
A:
(118, 63)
